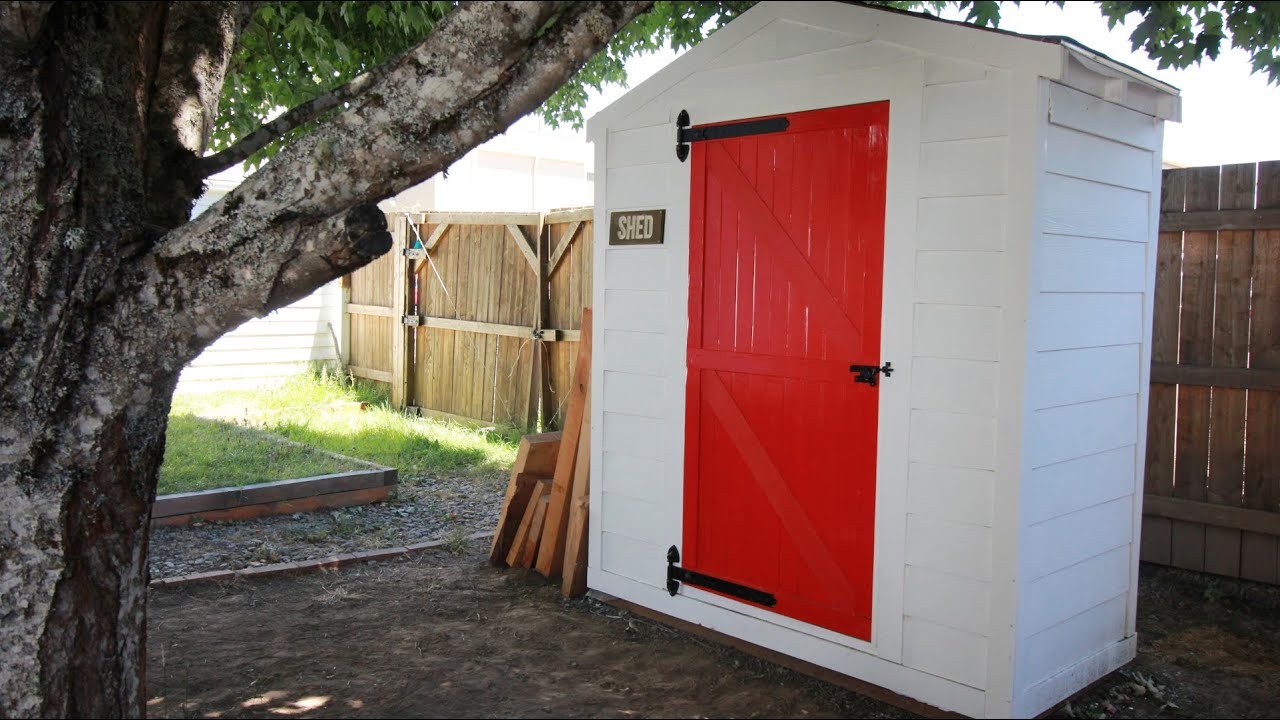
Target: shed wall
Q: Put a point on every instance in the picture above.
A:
(1089, 313)
(948, 292)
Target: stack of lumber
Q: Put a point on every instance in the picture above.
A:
(543, 524)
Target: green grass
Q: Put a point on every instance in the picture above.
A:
(201, 454)
(416, 446)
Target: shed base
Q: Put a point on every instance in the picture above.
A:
(815, 671)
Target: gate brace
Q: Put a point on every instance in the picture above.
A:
(677, 575)
(686, 134)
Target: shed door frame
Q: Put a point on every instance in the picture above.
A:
(823, 570)
(902, 85)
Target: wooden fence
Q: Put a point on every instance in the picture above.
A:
(475, 316)
(1213, 441)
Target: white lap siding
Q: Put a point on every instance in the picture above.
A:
(1086, 399)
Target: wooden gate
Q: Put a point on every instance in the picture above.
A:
(1213, 441)
(474, 316)
(787, 243)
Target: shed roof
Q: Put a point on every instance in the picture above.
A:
(1055, 57)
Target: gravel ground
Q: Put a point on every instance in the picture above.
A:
(422, 509)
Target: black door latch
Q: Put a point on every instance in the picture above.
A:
(867, 373)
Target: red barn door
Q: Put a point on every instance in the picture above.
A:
(787, 243)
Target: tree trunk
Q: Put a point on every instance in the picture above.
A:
(84, 392)
(106, 291)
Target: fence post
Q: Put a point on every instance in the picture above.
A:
(540, 367)
(401, 364)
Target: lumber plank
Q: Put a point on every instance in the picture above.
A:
(535, 458)
(551, 556)
(575, 545)
(537, 529)
(516, 553)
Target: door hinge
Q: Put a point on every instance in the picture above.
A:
(867, 373)
(677, 575)
(686, 134)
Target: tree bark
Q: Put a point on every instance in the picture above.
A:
(106, 291)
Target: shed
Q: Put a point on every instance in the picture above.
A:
(970, 216)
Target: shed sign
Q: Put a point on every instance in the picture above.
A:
(637, 227)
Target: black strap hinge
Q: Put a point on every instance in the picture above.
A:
(677, 575)
(686, 134)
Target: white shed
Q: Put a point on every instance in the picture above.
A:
(975, 211)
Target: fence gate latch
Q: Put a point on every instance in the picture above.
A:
(867, 373)
(677, 575)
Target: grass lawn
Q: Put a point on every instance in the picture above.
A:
(302, 410)
(202, 454)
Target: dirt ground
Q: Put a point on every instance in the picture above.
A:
(445, 635)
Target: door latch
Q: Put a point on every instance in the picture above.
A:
(867, 373)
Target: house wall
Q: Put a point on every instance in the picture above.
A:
(1088, 358)
(269, 349)
(949, 282)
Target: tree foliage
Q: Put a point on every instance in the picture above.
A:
(294, 51)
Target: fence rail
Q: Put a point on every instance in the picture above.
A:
(475, 316)
(1213, 442)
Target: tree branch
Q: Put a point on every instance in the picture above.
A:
(268, 132)
(287, 229)
(195, 50)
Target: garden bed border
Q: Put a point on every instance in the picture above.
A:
(282, 497)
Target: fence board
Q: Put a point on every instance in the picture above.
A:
(1195, 345)
(475, 291)
(569, 291)
(1230, 350)
(1163, 403)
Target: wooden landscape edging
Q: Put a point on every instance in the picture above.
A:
(301, 567)
(283, 497)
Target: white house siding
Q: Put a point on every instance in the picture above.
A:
(269, 349)
(1085, 423)
(266, 350)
